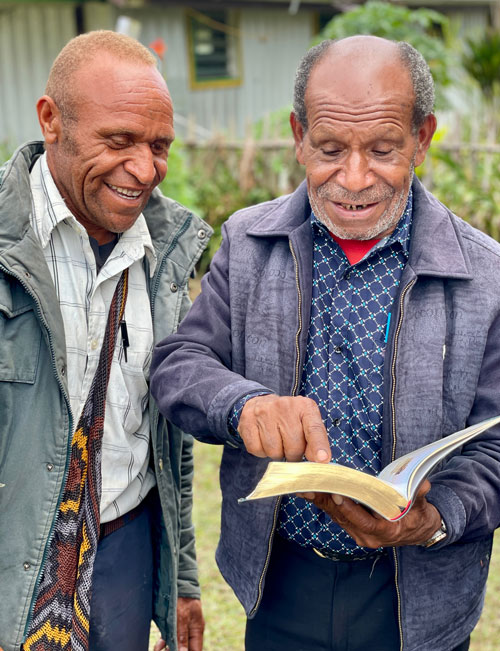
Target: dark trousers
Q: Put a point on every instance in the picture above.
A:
(122, 588)
(315, 604)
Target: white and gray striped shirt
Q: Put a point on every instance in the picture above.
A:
(84, 298)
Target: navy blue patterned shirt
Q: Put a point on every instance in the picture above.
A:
(343, 369)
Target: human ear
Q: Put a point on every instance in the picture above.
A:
(424, 138)
(298, 136)
(49, 118)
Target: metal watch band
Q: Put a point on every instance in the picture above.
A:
(437, 536)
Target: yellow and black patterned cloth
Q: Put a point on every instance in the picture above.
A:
(61, 615)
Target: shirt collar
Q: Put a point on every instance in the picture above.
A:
(400, 234)
(49, 210)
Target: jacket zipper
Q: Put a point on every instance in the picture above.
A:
(299, 329)
(393, 452)
(66, 469)
(154, 291)
(294, 392)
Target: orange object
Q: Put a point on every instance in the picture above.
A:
(159, 46)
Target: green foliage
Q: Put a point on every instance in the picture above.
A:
(467, 183)
(482, 62)
(177, 184)
(422, 28)
(277, 123)
(225, 179)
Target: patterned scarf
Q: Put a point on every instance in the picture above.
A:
(62, 609)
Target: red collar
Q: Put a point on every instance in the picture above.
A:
(355, 250)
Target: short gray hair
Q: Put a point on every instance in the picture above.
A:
(419, 71)
(422, 81)
(306, 64)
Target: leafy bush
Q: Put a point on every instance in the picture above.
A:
(225, 178)
(482, 61)
(466, 182)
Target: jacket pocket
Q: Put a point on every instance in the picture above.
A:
(20, 339)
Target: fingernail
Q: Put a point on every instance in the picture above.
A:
(338, 499)
(322, 455)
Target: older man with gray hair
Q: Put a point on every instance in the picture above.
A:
(355, 320)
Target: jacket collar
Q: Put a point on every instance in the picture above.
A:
(15, 193)
(289, 212)
(437, 247)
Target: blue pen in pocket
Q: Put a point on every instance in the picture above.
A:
(387, 328)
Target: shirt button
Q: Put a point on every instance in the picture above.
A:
(173, 287)
(202, 234)
(50, 467)
(26, 565)
(337, 349)
(94, 343)
(160, 464)
(63, 370)
(336, 422)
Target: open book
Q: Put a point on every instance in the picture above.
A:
(390, 493)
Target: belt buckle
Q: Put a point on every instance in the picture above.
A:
(331, 557)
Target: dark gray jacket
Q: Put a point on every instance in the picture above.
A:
(36, 420)
(248, 330)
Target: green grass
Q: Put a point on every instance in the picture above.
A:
(224, 616)
(225, 620)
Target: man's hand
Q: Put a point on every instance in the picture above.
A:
(284, 427)
(371, 530)
(190, 624)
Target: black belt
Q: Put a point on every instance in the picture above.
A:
(328, 553)
(334, 556)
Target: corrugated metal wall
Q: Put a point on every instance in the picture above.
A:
(272, 42)
(30, 38)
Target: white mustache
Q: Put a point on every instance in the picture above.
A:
(338, 194)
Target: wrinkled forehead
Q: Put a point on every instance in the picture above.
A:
(359, 81)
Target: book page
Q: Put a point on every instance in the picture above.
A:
(302, 477)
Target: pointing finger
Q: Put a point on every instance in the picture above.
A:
(317, 445)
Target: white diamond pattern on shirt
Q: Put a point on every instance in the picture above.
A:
(343, 369)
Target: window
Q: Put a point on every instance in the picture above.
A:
(214, 48)
(323, 18)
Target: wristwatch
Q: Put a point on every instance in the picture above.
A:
(437, 536)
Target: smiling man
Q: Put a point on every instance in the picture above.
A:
(94, 265)
(354, 320)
